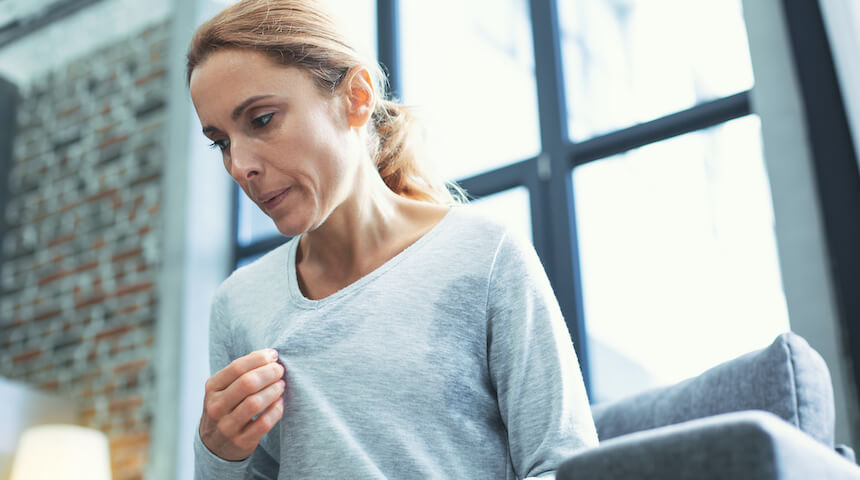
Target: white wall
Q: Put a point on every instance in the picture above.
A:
(198, 216)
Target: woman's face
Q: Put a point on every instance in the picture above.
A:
(287, 144)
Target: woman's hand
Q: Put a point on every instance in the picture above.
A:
(249, 386)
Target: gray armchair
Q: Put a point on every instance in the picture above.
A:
(765, 415)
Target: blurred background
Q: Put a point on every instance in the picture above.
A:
(686, 170)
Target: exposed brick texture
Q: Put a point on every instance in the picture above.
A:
(78, 297)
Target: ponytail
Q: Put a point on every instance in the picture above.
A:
(396, 149)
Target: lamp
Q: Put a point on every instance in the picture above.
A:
(62, 452)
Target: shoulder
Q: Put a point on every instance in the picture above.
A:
(472, 233)
(255, 279)
(465, 238)
(514, 266)
(462, 245)
(470, 226)
(483, 246)
(508, 246)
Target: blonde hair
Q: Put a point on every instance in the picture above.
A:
(300, 33)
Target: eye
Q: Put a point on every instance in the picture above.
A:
(220, 144)
(262, 120)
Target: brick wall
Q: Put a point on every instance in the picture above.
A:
(82, 247)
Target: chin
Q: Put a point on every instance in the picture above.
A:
(290, 226)
(297, 221)
(290, 230)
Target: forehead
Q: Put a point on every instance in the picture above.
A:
(231, 74)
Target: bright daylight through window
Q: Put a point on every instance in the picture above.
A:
(678, 256)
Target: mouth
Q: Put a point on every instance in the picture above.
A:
(272, 199)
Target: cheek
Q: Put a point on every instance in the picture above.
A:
(337, 172)
(320, 154)
(315, 153)
(248, 195)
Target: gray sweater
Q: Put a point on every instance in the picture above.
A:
(451, 360)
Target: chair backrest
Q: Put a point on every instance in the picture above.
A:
(788, 379)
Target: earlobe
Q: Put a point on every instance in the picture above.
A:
(360, 96)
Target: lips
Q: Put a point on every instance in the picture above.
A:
(272, 199)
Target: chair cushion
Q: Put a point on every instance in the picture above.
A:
(788, 379)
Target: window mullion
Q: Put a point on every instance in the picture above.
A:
(552, 195)
(388, 42)
(695, 118)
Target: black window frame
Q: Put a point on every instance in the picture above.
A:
(834, 160)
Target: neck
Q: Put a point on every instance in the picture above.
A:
(357, 232)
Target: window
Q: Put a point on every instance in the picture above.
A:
(511, 208)
(673, 214)
(633, 61)
(474, 85)
(678, 257)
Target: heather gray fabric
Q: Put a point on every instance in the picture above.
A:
(750, 445)
(788, 379)
(451, 360)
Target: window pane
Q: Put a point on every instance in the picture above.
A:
(635, 60)
(678, 258)
(357, 18)
(511, 208)
(471, 81)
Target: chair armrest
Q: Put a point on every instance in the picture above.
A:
(751, 445)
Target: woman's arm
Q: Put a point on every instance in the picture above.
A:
(242, 403)
(533, 366)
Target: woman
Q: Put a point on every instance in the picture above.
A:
(397, 335)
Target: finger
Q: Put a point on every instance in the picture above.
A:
(250, 407)
(255, 430)
(254, 381)
(227, 375)
(220, 404)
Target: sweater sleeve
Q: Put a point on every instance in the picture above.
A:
(208, 466)
(533, 366)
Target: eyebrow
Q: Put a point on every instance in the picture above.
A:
(238, 110)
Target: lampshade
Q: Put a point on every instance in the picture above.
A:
(62, 452)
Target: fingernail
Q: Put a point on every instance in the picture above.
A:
(273, 354)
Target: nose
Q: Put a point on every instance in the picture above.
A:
(244, 162)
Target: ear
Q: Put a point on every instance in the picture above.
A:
(360, 96)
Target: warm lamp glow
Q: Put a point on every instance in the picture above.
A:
(62, 452)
